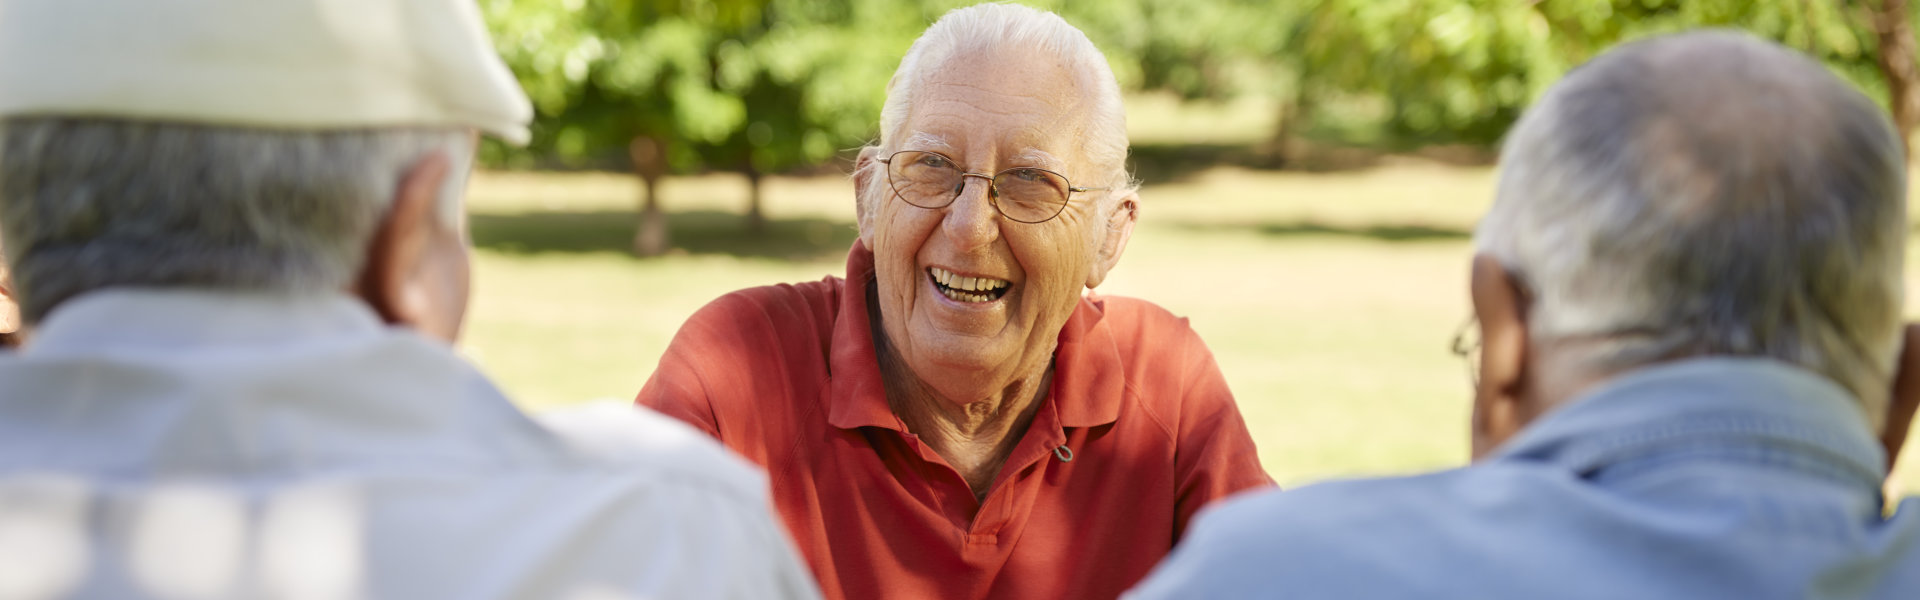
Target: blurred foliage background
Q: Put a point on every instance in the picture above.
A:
(764, 86)
(1313, 172)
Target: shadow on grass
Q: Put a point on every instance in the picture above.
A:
(1164, 163)
(1385, 233)
(691, 232)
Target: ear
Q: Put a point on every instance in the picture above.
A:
(9, 313)
(865, 168)
(9, 309)
(409, 278)
(1500, 402)
(1905, 400)
(1119, 230)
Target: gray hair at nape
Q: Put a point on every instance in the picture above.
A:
(1001, 26)
(90, 204)
(1708, 194)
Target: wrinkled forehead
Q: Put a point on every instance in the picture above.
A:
(1017, 152)
(1020, 104)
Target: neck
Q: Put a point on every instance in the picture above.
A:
(998, 417)
(975, 437)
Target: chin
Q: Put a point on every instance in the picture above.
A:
(946, 359)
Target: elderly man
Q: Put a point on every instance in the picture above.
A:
(1689, 292)
(955, 419)
(236, 227)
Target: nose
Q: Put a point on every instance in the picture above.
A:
(971, 221)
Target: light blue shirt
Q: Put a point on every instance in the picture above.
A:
(1709, 478)
(205, 444)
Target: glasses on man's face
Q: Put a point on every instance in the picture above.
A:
(1024, 194)
(1466, 345)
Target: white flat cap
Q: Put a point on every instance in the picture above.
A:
(283, 64)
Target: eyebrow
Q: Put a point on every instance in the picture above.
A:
(1041, 158)
(924, 139)
(1030, 156)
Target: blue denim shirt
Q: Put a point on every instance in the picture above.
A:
(1708, 478)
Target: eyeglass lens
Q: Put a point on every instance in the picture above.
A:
(930, 180)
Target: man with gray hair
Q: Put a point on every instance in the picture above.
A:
(236, 228)
(957, 417)
(1689, 295)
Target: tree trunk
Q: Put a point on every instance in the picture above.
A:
(650, 239)
(1293, 114)
(649, 162)
(1894, 30)
(1810, 29)
(756, 220)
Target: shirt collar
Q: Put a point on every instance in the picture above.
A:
(172, 318)
(1758, 400)
(226, 381)
(1088, 376)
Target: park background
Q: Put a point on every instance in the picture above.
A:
(1313, 171)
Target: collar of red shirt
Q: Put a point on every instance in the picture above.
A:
(1088, 376)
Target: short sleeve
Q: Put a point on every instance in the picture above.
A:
(1215, 457)
(677, 388)
(745, 365)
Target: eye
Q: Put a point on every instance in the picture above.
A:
(1031, 175)
(934, 160)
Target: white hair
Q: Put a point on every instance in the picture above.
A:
(1012, 26)
(1708, 194)
(88, 204)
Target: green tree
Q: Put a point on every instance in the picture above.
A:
(1462, 70)
(633, 77)
(755, 86)
(812, 76)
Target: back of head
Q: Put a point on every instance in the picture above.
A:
(1708, 194)
(91, 204)
(228, 144)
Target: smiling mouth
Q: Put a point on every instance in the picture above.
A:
(961, 288)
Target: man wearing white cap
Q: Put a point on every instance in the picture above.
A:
(235, 229)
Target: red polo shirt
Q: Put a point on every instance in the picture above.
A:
(1138, 432)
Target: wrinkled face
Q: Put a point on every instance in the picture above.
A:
(970, 299)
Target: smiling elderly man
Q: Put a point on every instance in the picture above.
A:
(237, 230)
(1689, 291)
(954, 419)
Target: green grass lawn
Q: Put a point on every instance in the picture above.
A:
(1328, 299)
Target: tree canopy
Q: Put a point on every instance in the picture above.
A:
(761, 86)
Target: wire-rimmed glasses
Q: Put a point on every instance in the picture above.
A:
(1466, 345)
(1024, 194)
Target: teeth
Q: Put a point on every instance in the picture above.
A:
(966, 289)
(964, 283)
